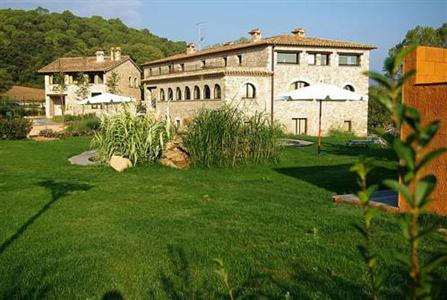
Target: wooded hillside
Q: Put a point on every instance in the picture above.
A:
(32, 39)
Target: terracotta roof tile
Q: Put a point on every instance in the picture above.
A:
(285, 40)
(82, 64)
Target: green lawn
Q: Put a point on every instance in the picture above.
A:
(152, 232)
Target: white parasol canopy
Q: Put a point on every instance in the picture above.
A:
(107, 98)
(321, 91)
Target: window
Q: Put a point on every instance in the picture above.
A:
(178, 94)
(96, 94)
(203, 63)
(318, 59)
(187, 93)
(300, 126)
(91, 78)
(171, 68)
(182, 67)
(297, 85)
(239, 59)
(130, 81)
(225, 60)
(349, 60)
(348, 126)
(177, 123)
(349, 88)
(249, 91)
(196, 93)
(135, 82)
(162, 95)
(170, 94)
(206, 92)
(288, 58)
(217, 92)
(150, 72)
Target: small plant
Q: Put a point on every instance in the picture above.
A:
(223, 276)
(362, 169)
(14, 128)
(227, 137)
(140, 139)
(112, 83)
(414, 184)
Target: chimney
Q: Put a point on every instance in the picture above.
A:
(99, 56)
(298, 32)
(118, 53)
(190, 48)
(255, 34)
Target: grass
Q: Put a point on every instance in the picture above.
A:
(152, 232)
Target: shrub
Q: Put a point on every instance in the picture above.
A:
(14, 128)
(227, 137)
(83, 126)
(141, 139)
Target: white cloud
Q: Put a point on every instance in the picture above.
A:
(127, 10)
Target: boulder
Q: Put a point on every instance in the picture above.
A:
(175, 154)
(120, 163)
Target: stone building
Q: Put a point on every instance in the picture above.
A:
(253, 74)
(97, 69)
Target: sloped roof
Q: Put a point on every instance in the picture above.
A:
(24, 93)
(279, 40)
(83, 64)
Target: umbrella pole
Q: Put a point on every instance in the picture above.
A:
(319, 129)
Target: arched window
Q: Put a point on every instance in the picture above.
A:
(162, 95)
(298, 84)
(206, 92)
(130, 81)
(349, 88)
(196, 93)
(187, 93)
(249, 91)
(135, 82)
(217, 92)
(170, 94)
(178, 94)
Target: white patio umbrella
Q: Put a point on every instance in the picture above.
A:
(320, 92)
(106, 98)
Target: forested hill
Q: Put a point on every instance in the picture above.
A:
(32, 39)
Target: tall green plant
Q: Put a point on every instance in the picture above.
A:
(227, 137)
(60, 86)
(414, 185)
(139, 139)
(362, 169)
(83, 86)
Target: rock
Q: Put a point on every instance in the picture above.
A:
(175, 154)
(120, 163)
(84, 159)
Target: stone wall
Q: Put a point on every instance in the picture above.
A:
(125, 71)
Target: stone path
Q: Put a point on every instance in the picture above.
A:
(83, 158)
(385, 199)
(40, 124)
(294, 142)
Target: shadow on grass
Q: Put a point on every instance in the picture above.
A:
(57, 191)
(113, 295)
(14, 287)
(335, 178)
(372, 151)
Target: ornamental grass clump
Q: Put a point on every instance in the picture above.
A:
(140, 139)
(227, 137)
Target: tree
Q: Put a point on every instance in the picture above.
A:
(83, 86)
(112, 83)
(378, 116)
(5, 81)
(60, 87)
(423, 36)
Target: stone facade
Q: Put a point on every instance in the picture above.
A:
(259, 68)
(128, 85)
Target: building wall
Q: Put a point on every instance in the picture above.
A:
(259, 59)
(126, 70)
(427, 92)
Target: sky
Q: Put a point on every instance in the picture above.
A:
(381, 23)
